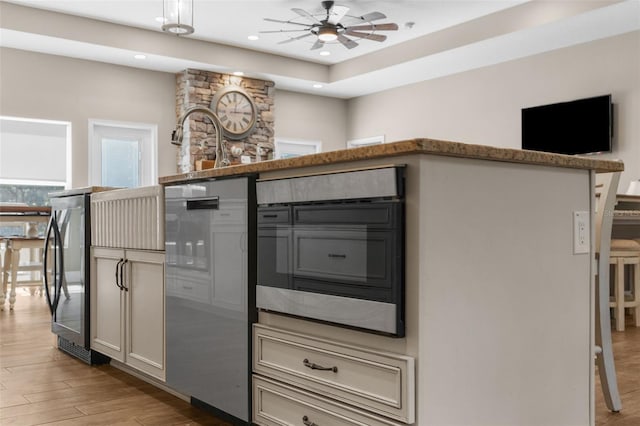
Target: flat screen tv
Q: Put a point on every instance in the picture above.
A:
(582, 126)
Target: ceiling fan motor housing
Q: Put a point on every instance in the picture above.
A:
(327, 5)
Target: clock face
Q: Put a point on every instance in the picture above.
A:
(236, 113)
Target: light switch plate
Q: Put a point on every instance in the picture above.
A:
(581, 232)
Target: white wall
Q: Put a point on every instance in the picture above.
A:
(480, 106)
(300, 116)
(58, 88)
(483, 106)
(36, 85)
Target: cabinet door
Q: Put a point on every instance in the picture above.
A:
(107, 302)
(145, 312)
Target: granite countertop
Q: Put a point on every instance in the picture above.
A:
(412, 146)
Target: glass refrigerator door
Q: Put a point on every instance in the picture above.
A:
(69, 317)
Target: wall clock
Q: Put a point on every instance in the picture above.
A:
(236, 111)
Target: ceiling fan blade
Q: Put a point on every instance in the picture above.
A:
(317, 45)
(347, 42)
(306, 14)
(337, 13)
(372, 16)
(289, 40)
(281, 31)
(286, 22)
(374, 27)
(369, 36)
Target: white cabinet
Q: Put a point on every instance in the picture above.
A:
(127, 307)
(379, 384)
(277, 404)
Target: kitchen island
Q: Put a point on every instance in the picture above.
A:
(499, 317)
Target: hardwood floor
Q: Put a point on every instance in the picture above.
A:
(626, 351)
(40, 385)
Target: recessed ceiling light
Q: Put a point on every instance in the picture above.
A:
(238, 73)
(317, 86)
(253, 37)
(139, 56)
(325, 53)
(160, 19)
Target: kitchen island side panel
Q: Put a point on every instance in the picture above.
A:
(505, 305)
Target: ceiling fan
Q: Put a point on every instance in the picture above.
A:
(329, 28)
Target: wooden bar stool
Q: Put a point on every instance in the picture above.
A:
(11, 266)
(625, 255)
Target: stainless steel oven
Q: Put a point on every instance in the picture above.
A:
(331, 248)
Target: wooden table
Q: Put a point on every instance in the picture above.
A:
(626, 217)
(29, 216)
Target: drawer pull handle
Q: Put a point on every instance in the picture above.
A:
(313, 366)
(270, 216)
(306, 421)
(341, 256)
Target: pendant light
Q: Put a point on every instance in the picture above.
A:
(178, 16)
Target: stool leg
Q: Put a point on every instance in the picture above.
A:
(15, 262)
(5, 275)
(620, 295)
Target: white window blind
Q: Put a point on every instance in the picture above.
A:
(33, 151)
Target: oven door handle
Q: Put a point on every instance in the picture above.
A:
(211, 203)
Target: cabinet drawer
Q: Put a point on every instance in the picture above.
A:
(276, 404)
(273, 215)
(377, 381)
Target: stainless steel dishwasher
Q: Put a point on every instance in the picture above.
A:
(210, 293)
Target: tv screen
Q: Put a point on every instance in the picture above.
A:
(577, 127)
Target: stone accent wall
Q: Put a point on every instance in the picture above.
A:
(197, 88)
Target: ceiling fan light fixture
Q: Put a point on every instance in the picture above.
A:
(178, 16)
(327, 34)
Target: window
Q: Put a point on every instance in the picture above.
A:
(373, 140)
(35, 159)
(289, 148)
(122, 154)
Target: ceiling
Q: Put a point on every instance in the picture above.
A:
(435, 38)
